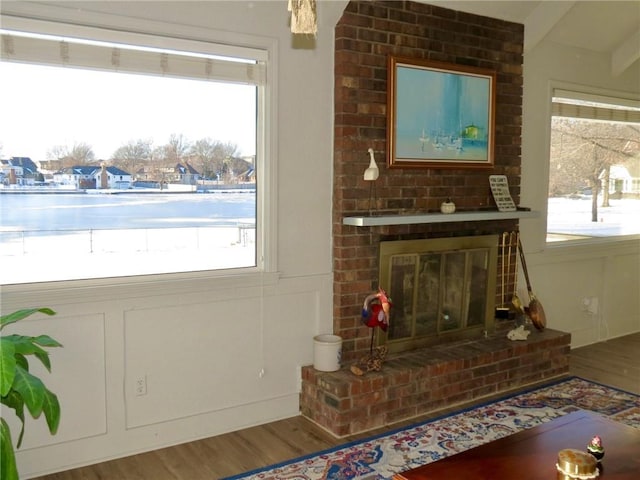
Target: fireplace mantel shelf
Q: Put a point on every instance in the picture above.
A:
(406, 219)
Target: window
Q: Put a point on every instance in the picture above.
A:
(119, 158)
(594, 174)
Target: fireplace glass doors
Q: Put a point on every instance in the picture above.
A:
(441, 289)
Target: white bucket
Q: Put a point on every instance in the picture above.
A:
(327, 351)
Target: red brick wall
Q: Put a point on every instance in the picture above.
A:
(365, 35)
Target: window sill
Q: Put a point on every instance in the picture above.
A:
(161, 285)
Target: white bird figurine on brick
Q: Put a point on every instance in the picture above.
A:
(372, 172)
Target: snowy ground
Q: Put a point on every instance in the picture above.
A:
(573, 217)
(63, 237)
(109, 253)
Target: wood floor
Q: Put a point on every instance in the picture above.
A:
(615, 362)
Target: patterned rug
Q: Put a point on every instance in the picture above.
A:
(380, 457)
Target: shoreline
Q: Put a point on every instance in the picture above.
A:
(63, 191)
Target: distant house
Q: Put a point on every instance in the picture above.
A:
(624, 179)
(10, 173)
(93, 177)
(49, 166)
(188, 174)
(113, 178)
(146, 174)
(180, 173)
(18, 171)
(28, 165)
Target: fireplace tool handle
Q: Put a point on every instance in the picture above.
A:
(535, 310)
(503, 311)
(515, 300)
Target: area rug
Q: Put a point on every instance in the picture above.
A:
(381, 456)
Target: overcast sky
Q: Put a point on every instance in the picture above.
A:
(42, 107)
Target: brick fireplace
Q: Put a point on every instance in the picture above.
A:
(418, 381)
(365, 35)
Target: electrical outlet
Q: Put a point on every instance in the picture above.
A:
(585, 304)
(141, 386)
(593, 306)
(590, 305)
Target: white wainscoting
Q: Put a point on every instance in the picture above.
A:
(564, 276)
(214, 359)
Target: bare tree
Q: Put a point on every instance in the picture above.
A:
(133, 155)
(211, 155)
(175, 150)
(202, 154)
(582, 153)
(79, 154)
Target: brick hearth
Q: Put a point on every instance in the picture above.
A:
(426, 380)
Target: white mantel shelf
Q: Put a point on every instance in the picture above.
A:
(402, 219)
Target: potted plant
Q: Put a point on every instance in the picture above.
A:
(20, 388)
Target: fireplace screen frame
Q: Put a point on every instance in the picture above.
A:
(458, 274)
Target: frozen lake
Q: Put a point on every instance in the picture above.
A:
(78, 211)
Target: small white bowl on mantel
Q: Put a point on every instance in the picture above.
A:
(447, 206)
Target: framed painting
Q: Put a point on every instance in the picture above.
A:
(440, 115)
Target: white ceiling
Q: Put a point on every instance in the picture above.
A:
(608, 27)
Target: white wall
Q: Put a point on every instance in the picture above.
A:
(561, 275)
(202, 344)
(217, 354)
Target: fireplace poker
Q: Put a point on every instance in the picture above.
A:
(502, 311)
(515, 300)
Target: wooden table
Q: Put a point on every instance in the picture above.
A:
(532, 454)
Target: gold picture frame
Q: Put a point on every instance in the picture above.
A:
(440, 115)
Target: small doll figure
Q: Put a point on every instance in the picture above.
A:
(595, 448)
(375, 313)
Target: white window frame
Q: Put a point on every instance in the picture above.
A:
(582, 92)
(198, 40)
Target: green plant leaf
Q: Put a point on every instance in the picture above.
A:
(21, 314)
(46, 341)
(22, 361)
(51, 409)
(14, 400)
(7, 365)
(44, 358)
(8, 467)
(25, 345)
(31, 389)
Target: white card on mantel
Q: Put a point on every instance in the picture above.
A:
(500, 190)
